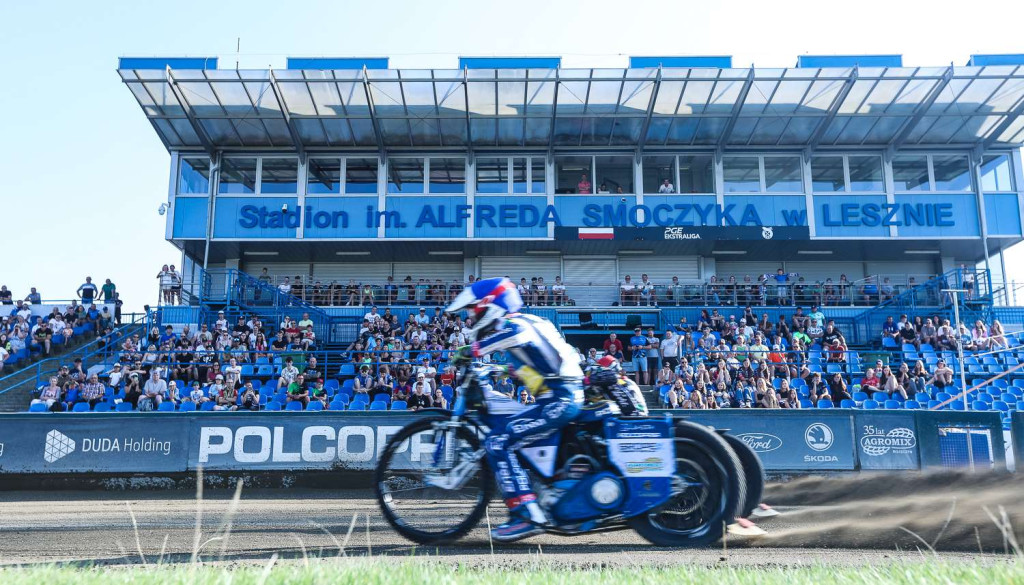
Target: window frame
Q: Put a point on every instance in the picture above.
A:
(177, 175)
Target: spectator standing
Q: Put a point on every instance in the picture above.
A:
(584, 187)
(638, 346)
(669, 348)
(613, 347)
(166, 284)
(87, 292)
(653, 351)
(6, 296)
(33, 297)
(106, 291)
(666, 187)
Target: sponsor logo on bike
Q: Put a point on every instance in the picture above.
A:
(649, 464)
(760, 442)
(819, 436)
(899, 440)
(522, 426)
(639, 447)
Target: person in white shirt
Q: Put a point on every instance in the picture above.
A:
(666, 187)
(233, 369)
(305, 321)
(457, 338)
(558, 291)
(288, 374)
(222, 323)
(115, 376)
(670, 349)
(646, 289)
(285, 287)
(627, 290)
(373, 315)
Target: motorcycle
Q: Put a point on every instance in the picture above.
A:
(675, 483)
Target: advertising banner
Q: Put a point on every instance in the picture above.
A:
(265, 442)
(93, 443)
(796, 440)
(887, 440)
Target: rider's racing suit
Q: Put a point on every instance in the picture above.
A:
(550, 369)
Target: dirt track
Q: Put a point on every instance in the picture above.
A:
(861, 516)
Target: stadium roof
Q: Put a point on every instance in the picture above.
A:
(975, 107)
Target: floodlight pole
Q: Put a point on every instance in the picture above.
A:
(954, 294)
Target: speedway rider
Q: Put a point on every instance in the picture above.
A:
(546, 365)
(606, 380)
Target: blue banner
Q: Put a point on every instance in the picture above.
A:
(795, 441)
(887, 440)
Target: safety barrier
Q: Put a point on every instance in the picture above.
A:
(159, 443)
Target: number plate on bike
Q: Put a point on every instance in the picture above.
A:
(641, 448)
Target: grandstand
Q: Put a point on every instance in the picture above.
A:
(665, 195)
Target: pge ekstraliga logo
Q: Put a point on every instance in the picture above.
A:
(57, 445)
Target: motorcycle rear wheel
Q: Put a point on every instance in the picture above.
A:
(406, 480)
(753, 473)
(715, 491)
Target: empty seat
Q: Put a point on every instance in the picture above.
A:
(922, 397)
(273, 406)
(294, 405)
(187, 407)
(978, 405)
(825, 404)
(314, 405)
(207, 406)
(892, 404)
(880, 396)
(103, 407)
(81, 407)
(860, 397)
(398, 405)
(166, 406)
(124, 407)
(912, 405)
(1001, 406)
(357, 405)
(870, 404)
(847, 403)
(806, 403)
(377, 405)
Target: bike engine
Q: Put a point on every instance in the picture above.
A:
(584, 491)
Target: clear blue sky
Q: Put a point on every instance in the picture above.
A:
(82, 172)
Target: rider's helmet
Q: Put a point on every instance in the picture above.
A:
(488, 299)
(606, 373)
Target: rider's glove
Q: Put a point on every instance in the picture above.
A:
(463, 355)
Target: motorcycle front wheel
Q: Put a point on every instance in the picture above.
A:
(713, 490)
(432, 481)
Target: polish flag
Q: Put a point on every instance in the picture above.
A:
(605, 233)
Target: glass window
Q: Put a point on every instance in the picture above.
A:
(657, 170)
(361, 175)
(492, 175)
(194, 176)
(280, 175)
(910, 173)
(782, 174)
(742, 174)
(866, 173)
(238, 175)
(447, 175)
(696, 174)
(538, 175)
(995, 173)
(827, 174)
(614, 174)
(573, 174)
(323, 176)
(519, 175)
(405, 175)
(952, 172)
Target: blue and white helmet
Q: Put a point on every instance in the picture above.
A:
(489, 299)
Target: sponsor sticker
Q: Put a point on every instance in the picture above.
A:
(877, 442)
(819, 436)
(760, 442)
(646, 466)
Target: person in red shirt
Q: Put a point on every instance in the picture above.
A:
(613, 347)
(448, 377)
(869, 383)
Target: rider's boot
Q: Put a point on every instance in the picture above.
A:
(525, 519)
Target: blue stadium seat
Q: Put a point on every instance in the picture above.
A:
(1008, 398)
(273, 406)
(166, 406)
(314, 405)
(956, 405)
(295, 405)
(336, 405)
(860, 397)
(834, 368)
(889, 343)
(806, 403)
(332, 384)
(124, 407)
(347, 385)
(922, 397)
(825, 404)
(979, 405)
(187, 407)
(38, 407)
(361, 397)
(943, 396)
(984, 397)
(207, 406)
(265, 371)
(912, 405)
(879, 396)
(1020, 405)
(261, 360)
(81, 407)
(247, 371)
(847, 403)
(357, 405)
(870, 404)
(1001, 406)
(892, 404)
(375, 405)
(385, 398)
(347, 370)
(103, 407)
(932, 404)
(398, 405)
